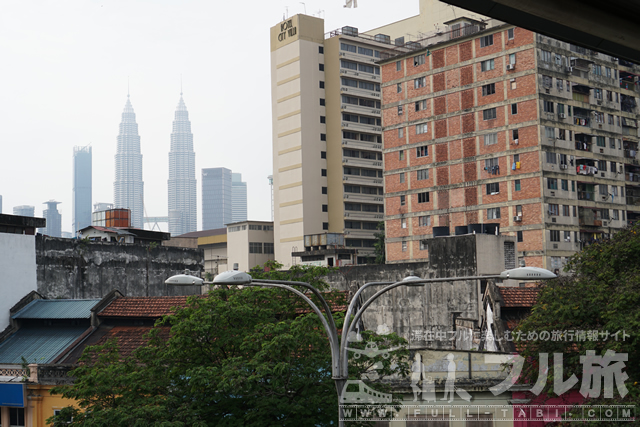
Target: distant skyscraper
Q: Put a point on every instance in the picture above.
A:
(54, 219)
(81, 188)
(182, 175)
(128, 188)
(238, 198)
(24, 210)
(216, 198)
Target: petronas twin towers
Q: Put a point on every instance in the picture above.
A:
(129, 187)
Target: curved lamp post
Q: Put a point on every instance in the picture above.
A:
(339, 351)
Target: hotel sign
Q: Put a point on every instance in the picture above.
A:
(287, 29)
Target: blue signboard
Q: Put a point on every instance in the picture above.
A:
(13, 395)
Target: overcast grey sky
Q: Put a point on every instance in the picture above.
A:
(64, 75)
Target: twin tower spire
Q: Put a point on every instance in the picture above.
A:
(128, 187)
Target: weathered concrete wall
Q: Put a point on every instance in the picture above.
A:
(69, 268)
(17, 271)
(426, 315)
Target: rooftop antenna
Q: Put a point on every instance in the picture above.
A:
(305, 7)
(286, 8)
(180, 84)
(127, 86)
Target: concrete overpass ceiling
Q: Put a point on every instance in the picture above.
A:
(609, 26)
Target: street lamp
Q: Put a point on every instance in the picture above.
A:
(339, 350)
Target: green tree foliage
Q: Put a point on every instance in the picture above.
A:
(246, 357)
(601, 293)
(379, 245)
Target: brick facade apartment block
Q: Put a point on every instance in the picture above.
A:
(489, 123)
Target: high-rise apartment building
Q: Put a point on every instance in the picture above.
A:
(238, 198)
(54, 219)
(217, 198)
(82, 188)
(24, 210)
(182, 175)
(128, 187)
(486, 123)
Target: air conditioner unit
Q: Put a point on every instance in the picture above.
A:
(517, 218)
(562, 115)
(563, 166)
(511, 67)
(515, 141)
(568, 239)
(553, 220)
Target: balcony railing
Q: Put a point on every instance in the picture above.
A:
(582, 121)
(583, 146)
(587, 195)
(632, 177)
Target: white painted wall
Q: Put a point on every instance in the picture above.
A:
(17, 271)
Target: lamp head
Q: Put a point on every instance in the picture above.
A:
(184, 280)
(528, 273)
(232, 277)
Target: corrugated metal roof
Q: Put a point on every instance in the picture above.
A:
(57, 309)
(38, 345)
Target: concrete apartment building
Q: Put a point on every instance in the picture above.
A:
(485, 122)
(249, 244)
(327, 134)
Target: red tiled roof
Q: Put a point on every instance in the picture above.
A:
(129, 338)
(156, 307)
(148, 307)
(518, 297)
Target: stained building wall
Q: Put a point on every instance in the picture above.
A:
(79, 269)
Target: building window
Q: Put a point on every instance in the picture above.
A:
(404, 246)
(419, 82)
(489, 114)
(565, 185)
(550, 132)
(422, 151)
(490, 139)
(514, 134)
(487, 65)
(551, 158)
(421, 128)
(403, 223)
(616, 215)
(423, 197)
(320, 49)
(16, 417)
(421, 105)
(323, 154)
(325, 208)
(422, 174)
(268, 248)
(597, 69)
(399, 110)
(554, 210)
(493, 188)
(401, 155)
(398, 65)
(399, 87)
(321, 101)
(486, 40)
(424, 221)
(513, 84)
(565, 210)
(324, 190)
(402, 175)
(403, 200)
(321, 67)
(323, 137)
(514, 109)
(489, 89)
(323, 119)
(323, 172)
(321, 84)
(600, 141)
(512, 59)
(559, 84)
(519, 234)
(423, 245)
(491, 164)
(554, 235)
(255, 247)
(510, 34)
(548, 106)
(518, 210)
(325, 225)
(558, 59)
(547, 81)
(418, 60)
(493, 213)
(552, 183)
(517, 184)
(545, 55)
